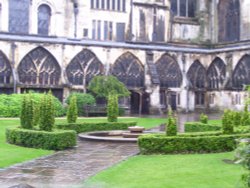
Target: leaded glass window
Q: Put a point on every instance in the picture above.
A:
(5, 70)
(197, 75)
(44, 16)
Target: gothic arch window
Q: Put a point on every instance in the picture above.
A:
(5, 70)
(83, 67)
(216, 74)
(44, 17)
(129, 70)
(169, 72)
(39, 67)
(229, 20)
(197, 75)
(241, 74)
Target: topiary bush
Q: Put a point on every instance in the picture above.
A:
(27, 113)
(245, 117)
(162, 144)
(10, 105)
(237, 118)
(47, 113)
(89, 127)
(203, 118)
(171, 127)
(72, 110)
(56, 140)
(112, 109)
(227, 122)
(82, 99)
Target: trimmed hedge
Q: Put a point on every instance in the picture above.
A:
(57, 140)
(160, 144)
(89, 127)
(200, 127)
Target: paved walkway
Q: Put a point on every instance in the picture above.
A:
(68, 168)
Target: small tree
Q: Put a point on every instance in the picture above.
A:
(113, 109)
(171, 127)
(227, 122)
(203, 118)
(27, 112)
(47, 113)
(72, 112)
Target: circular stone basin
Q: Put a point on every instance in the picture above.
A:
(137, 129)
(114, 136)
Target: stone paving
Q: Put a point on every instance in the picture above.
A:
(68, 168)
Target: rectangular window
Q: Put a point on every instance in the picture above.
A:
(97, 4)
(183, 8)
(191, 8)
(113, 4)
(106, 29)
(103, 4)
(108, 4)
(85, 33)
(93, 29)
(174, 8)
(119, 5)
(99, 30)
(92, 4)
(123, 5)
(110, 30)
(120, 32)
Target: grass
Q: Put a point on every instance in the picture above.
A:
(171, 171)
(11, 154)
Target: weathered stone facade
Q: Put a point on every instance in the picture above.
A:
(191, 54)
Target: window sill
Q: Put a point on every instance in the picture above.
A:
(185, 20)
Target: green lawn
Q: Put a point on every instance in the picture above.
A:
(170, 171)
(11, 154)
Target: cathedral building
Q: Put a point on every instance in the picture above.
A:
(190, 54)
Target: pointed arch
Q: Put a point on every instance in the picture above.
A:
(43, 19)
(129, 70)
(216, 74)
(169, 72)
(241, 73)
(197, 75)
(83, 67)
(229, 20)
(39, 67)
(6, 76)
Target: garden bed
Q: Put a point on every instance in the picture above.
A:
(56, 140)
(196, 143)
(89, 127)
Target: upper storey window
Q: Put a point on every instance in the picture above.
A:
(183, 8)
(44, 16)
(113, 5)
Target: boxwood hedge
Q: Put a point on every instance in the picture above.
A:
(200, 127)
(213, 142)
(56, 140)
(88, 127)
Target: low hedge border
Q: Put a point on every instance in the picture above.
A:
(161, 144)
(56, 140)
(200, 127)
(89, 127)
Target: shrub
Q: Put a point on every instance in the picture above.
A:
(26, 117)
(171, 128)
(203, 118)
(82, 99)
(237, 118)
(161, 144)
(57, 140)
(245, 116)
(112, 110)
(72, 110)
(89, 127)
(200, 127)
(10, 105)
(227, 122)
(47, 113)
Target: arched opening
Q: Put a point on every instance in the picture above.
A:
(241, 73)
(229, 20)
(83, 67)
(6, 77)
(170, 76)
(129, 70)
(197, 82)
(44, 19)
(39, 71)
(216, 74)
